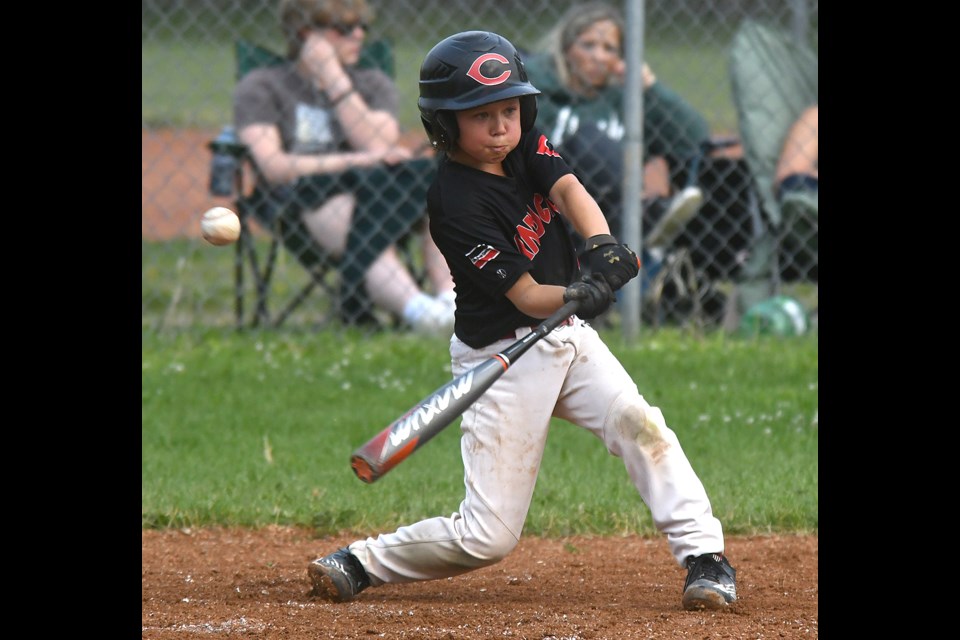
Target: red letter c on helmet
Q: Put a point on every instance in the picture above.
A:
(474, 71)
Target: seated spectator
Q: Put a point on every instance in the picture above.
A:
(323, 135)
(579, 68)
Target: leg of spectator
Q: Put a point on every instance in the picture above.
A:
(801, 148)
(330, 223)
(656, 178)
(329, 226)
(389, 284)
(392, 287)
(665, 215)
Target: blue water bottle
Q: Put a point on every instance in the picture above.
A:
(223, 166)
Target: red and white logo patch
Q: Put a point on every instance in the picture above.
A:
(544, 148)
(481, 254)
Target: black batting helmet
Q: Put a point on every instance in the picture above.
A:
(467, 70)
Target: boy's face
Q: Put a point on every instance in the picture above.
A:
(488, 133)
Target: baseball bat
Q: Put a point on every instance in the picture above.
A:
(438, 410)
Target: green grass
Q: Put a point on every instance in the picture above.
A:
(187, 283)
(256, 428)
(187, 84)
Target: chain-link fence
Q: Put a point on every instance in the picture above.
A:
(193, 53)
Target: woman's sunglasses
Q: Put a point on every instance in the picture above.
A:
(346, 29)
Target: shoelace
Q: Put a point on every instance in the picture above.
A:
(709, 566)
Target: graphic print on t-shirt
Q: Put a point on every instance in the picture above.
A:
(314, 132)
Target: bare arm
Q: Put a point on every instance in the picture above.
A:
(606, 257)
(578, 206)
(540, 300)
(280, 167)
(365, 128)
(534, 299)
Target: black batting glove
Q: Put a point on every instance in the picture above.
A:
(616, 262)
(593, 293)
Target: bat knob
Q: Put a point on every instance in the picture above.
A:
(362, 468)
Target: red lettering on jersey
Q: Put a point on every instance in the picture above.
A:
(527, 241)
(475, 73)
(545, 208)
(534, 224)
(544, 148)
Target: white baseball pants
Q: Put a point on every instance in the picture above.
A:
(570, 374)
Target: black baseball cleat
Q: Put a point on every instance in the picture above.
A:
(337, 577)
(711, 583)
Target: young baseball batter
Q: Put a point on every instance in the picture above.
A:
(495, 210)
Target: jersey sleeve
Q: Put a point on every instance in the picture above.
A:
(544, 164)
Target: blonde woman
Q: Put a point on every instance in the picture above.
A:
(579, 68)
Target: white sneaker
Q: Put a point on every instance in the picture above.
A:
(435, 318)
(683, 207)
(449, 298)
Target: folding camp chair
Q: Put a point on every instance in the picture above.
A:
(774, 78)
(319, 265)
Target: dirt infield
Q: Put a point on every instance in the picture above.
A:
(239, 583)
(175, 175)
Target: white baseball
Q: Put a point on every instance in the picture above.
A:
(220, 226)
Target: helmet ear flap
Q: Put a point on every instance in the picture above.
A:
(449, 129)
(442, 129)
(428, 127)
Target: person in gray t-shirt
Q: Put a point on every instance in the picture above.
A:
(324, 138)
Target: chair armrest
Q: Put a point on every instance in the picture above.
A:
(718, 143)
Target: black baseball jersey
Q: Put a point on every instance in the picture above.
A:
(492, 229)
